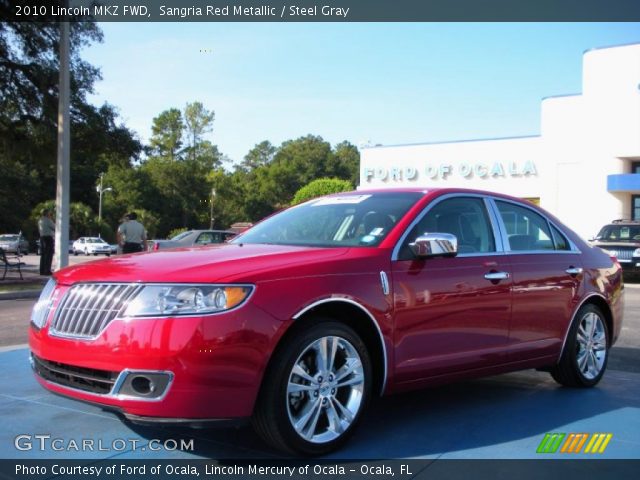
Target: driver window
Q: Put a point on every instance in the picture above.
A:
(464, 217)
(205, 238)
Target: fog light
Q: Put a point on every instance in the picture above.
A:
(142, 385)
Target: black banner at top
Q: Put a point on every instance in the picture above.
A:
(321, 10)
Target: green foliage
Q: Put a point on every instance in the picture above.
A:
(320, 187)
(166, 131)
(261, 154)
(83, 221)
(28, 119)
(198, 121)
(170, 188)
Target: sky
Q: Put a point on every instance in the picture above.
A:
(376, 83)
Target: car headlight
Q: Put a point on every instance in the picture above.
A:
(154, 300)
(636, 252)
(41, 309)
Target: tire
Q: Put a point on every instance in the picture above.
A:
(326, 404)
(586, 352)
(75, 252)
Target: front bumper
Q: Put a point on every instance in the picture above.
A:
(214, 365)
(632, 265)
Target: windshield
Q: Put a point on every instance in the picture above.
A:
(180, 236)
(619, 233)
(341, 220)
(8, 238)
(95, 240)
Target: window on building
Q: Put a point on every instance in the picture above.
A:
(635, 167)
(635, 207)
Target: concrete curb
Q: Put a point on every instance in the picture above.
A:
(17, 295)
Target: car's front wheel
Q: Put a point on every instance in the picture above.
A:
(586, 352)
(315, 390)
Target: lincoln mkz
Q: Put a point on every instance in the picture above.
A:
(299, 321)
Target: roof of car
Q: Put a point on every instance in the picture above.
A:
(207, 230)
(428, 190)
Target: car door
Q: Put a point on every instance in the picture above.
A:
(451, 314)
(547, 272)
(205, 238)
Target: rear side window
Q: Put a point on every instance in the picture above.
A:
(526, 229)
(559, 240)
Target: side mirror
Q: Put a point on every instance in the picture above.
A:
(435, 245)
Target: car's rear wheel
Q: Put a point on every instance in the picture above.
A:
(586, 352)
(315, 390)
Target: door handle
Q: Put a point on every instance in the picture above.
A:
(573, 271)
(496, 276)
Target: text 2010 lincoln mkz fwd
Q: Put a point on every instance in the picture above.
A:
(300, 320)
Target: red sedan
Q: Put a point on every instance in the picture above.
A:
(298, 321)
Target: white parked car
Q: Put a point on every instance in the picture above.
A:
(91, 246)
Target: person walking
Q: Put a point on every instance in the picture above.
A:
(131, 235)
(47, 229)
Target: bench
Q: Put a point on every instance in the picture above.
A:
(10, 263)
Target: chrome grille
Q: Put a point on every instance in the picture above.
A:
(87, 309)
(621, 254)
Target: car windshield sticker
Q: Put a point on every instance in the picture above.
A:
(341, 200)
(368, 239)
(376, 231)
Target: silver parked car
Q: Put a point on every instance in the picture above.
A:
(192, 238)
(14, 243)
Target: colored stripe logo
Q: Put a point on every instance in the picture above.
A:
(574, 443)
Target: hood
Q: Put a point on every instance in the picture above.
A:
(609, 244)
(215, 263)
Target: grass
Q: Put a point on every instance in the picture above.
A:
(19, 287)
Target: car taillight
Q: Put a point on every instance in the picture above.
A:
(156, 246)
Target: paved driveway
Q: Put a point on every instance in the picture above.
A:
(504, 417)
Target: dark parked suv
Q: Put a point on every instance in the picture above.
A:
(621, 238)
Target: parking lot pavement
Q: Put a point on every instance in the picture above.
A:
(502, 417)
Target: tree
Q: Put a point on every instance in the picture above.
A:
(82, 219)
(261, 154)
(348, 161)
(272, 185)
(28, 117)
(198, 121)
(166, 131)
(320, 187)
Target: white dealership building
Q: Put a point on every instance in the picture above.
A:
(584, 167)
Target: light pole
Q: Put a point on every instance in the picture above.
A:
(100, 192)
(213, 194)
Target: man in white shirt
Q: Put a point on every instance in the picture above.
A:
(47, 229)
(131, 235)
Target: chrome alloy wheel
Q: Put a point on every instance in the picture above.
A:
(592, 345)
(325, 389)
